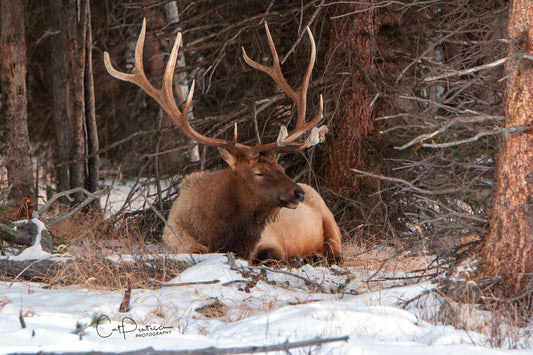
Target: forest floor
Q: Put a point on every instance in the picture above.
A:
(225, 303)
(119, 293)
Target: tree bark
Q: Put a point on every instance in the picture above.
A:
(14, 98)
(508, 252)
(82, 137)
(90, 114)
(59, 90)
(75, 30)
(351, 51)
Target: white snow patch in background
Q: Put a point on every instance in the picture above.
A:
(122, 188)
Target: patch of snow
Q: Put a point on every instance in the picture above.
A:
(35, 251)
(267, 313)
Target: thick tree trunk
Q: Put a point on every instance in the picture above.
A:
(59, 89)
(82, 137)
(352, 61)
(14, 99)
(509, 249)
(75, 30)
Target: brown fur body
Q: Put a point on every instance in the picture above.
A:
(308, 230)
(219, 225)
(236, 208)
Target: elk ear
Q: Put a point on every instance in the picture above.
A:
(228, 157)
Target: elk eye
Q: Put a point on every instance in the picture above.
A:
(258, 173)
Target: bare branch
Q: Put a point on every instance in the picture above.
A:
(285, 346)
(406, 183)
(305, 279)
(493, 64)
(468, 119)
(91, 196)
(466, 71)
(172, 229)
(511, 130)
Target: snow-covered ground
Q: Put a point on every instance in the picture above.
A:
(250, 311)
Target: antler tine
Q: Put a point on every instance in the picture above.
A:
(165, 97)
(298, 96)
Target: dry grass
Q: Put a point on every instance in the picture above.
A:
(109, 254)
(386, 259)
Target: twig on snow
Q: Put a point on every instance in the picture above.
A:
(285, 346)
(305, 279)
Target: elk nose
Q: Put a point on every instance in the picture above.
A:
(299, 193)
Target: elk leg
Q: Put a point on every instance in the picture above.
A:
(266, 254)
(333, 251)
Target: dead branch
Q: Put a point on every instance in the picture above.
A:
(172, 229)
(493, 64)
(191, 283)
(380, 5)
(407, 183)
(510, 130)
(450, 123)
(451, 73)
(76, 270)
(285, 346)
(305, 279)
(91, 196)
(29, 269)
(313, 17)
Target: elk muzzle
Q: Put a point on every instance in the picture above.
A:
(293, 201)
(299, 193)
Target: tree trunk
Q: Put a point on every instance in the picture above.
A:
(92, 173)
(351, 51)
(82, 135)
(59, 90)
(14, 99)
(75, 30)
(509, 249)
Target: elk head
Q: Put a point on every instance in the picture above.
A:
(261, 178)
(255, 166)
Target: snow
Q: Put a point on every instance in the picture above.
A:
(34, 252)
(282, 309)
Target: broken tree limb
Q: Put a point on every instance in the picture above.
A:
(25, 233)
(90, 197)
(285, 346)
(452, 73)
(29, 269)
(15, 236)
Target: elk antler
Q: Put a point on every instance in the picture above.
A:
(299, 97)
(165, 98)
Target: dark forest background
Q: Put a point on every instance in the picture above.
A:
(413, 95)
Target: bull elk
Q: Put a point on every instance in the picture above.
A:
(251, 208)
